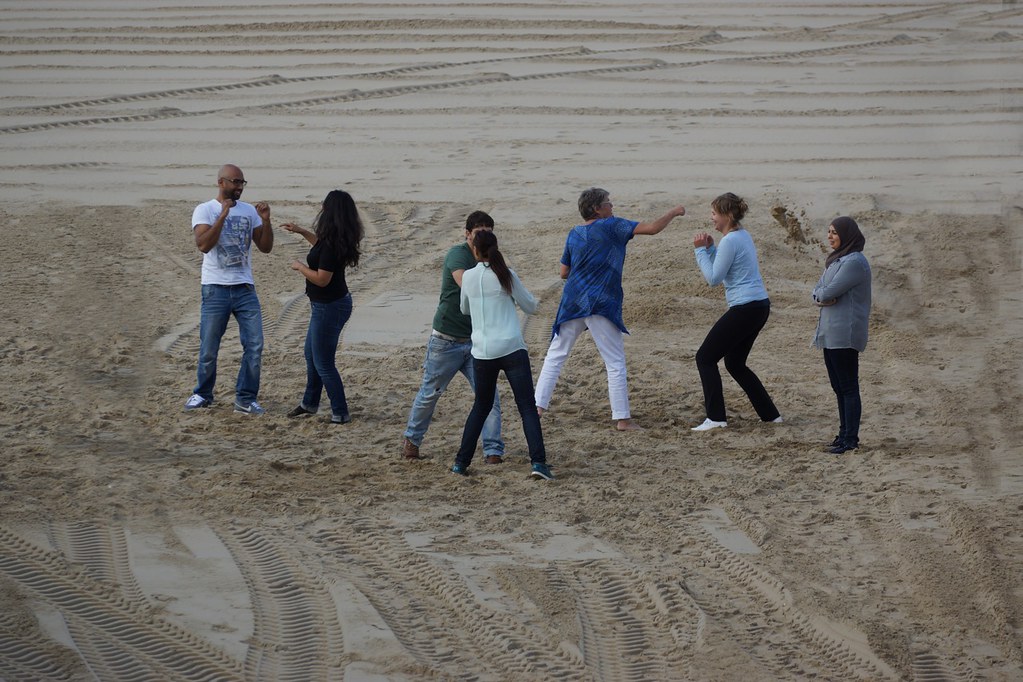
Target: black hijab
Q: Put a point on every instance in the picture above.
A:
(850, 239)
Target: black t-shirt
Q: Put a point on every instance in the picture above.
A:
(321, 258)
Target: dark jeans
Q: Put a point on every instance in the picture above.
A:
(844, 371)
(732, 338)
(516, 369)
(326, 320)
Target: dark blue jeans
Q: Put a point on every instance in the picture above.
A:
(326, 320)
(732, 338)
(219, 303)
(844, 372)
(516, 369)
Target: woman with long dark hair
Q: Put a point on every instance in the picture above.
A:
(843, 295)
(732, 263)
(335, 239)
(490, 292)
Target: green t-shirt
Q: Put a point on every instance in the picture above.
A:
(449, 318)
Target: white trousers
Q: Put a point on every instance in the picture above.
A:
(610, 343)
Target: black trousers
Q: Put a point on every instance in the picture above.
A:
(732, 338)
(844, 372)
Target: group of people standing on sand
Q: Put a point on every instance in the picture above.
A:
(476, 329)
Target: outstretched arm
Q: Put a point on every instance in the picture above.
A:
(309, 235)
(658, 225)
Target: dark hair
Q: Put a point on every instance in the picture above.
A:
(477, 219)
(590, 200)
(339, 227)
(732, 206)
(485, 244)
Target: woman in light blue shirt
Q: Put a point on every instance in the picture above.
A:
(843, 294)
(734, 263)
(490, 292)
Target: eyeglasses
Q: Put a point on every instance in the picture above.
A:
(237, 182)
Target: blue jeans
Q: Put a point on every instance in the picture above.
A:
(844, 372)
(219, 303)
(445, 359)
(326, 320)
(516, 369)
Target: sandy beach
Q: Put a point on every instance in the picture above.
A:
(140, 542)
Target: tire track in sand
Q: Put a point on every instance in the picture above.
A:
(297, 634)
(422, 602)
(117, 637)
(355, 95)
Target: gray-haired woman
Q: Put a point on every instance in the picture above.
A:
(843, 294)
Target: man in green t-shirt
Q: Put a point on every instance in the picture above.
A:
(449, 351)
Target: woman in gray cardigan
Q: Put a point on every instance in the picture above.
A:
(843, 294)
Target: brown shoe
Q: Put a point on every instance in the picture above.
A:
(493, 459)
(409, 450)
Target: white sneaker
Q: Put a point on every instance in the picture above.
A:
(777, 420)
(709, 424)
(197, 402)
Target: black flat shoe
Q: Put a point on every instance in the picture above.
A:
(841, 447)
(299, 411)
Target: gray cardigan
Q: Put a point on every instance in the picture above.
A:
(844, 324)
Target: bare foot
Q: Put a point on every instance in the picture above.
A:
(628, 425)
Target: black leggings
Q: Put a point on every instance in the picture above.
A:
(732, 338)
(844, 372)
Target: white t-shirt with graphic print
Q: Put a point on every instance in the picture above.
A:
(230, 261)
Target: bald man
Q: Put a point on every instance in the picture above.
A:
(225, 229)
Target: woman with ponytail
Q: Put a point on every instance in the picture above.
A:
(490, 292)
(335, 241)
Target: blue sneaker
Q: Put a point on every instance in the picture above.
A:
(251, 408)
(542, 471)
(460, 470)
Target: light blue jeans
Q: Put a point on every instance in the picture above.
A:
(219, 303)
(445, 359)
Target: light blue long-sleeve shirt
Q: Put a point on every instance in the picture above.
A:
(734, 262)
(496, 331)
